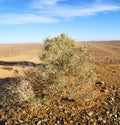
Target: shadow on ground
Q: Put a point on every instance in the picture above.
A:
(20, 63)
(6, 80)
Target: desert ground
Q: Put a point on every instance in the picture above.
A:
(104, 110)
(12, 53)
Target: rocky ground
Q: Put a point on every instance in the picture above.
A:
(104, 109)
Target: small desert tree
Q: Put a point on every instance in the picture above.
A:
(65, 73)
(66, 66)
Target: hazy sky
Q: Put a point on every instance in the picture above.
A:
(34, 20)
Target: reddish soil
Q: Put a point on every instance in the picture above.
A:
(103, 110)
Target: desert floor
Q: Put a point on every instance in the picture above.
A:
(105, 56)
(12, 55)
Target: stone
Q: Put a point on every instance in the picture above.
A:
(90, 113)
(39, 122)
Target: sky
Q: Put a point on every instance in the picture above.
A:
(32, 21)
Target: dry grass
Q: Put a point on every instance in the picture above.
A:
(25, 91)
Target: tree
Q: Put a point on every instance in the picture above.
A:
(66, 65)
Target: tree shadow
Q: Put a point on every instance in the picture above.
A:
(19, 63)
(7, 86)
(6, 80)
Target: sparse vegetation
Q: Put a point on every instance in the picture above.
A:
(65, 71)
(38, 98)
(67, 65)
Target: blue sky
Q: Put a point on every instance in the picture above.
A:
(27, 21)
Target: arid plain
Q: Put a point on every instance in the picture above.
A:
(105, 56)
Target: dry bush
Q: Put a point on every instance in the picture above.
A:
(65, 72)
(25, 91)
(38, 78)
(67, 67)
(8, 92)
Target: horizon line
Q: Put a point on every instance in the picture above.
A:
(73, 39)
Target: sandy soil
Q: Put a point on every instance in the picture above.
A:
(101, 53)
(20, 52)
(104, 110)
(17, 53)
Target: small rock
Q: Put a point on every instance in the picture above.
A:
(90, 113)
(58, 122)
(91, 120)
(24, 112)
(106, 90)
(115, 116)
(112, 99)
(71, 121)
(20, 121)
(107, 112)
(100, 118)
(45, 119)
(100, 83)
(39, 122)
(111, 115)
(60, 107)
(104, 121)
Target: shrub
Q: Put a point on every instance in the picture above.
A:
(66, 66)
(65, 72)
(25, 91)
